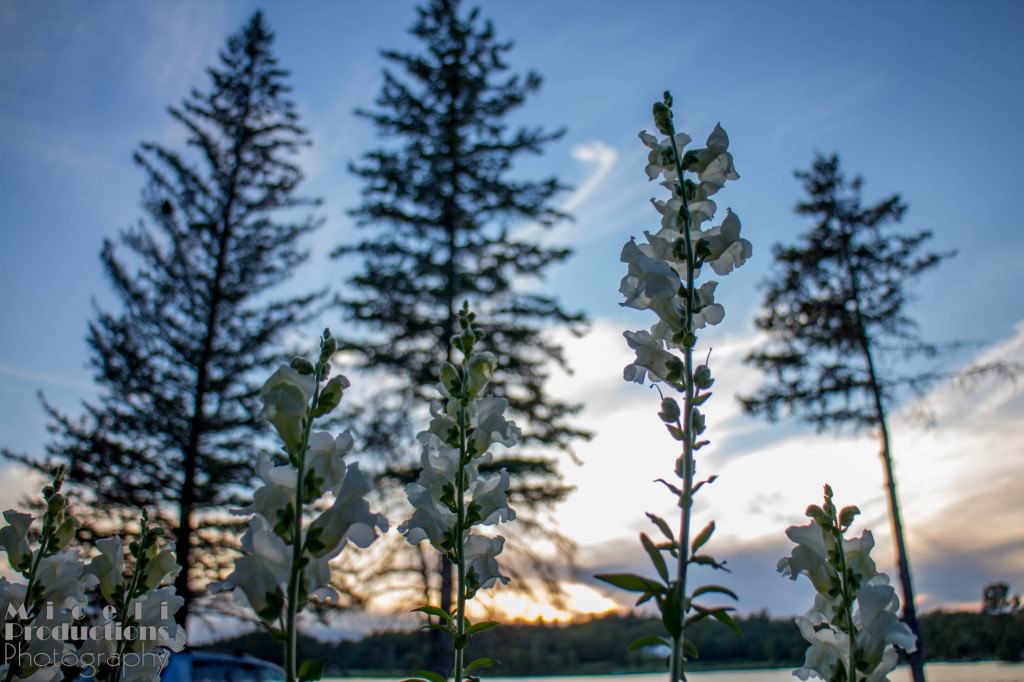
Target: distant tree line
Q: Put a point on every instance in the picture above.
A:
(596, 646)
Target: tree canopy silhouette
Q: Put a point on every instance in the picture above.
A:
(178, 364)
(438, 202)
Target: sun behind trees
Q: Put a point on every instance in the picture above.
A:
(173, 425)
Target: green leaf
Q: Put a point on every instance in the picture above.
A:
(646, 641)
(655, 554)
(708, 589)
(672, 613)
(668, 485)
(434, 611)
(431, 676)
(480, 627)
(702, 537)
(631, 582)
(690, 649)
(705, 560)
(312, 669)
(481, 663)
(725, 619)
(662, 526)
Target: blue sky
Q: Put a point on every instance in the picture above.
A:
(920, 97)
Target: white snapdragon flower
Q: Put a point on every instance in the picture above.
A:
(326, 457)
(647, 279)
(651, 358)
(481, 553)
(108, 566)
(14, 539)
(828, 648)
(64, 579)
(349, 518)
(728, 250)
(489, 493)
(809, 558)
(261, 573)
(276, 493)
(880, 626)
(491, 427)
(848, 587)
(660, 160)
(713, 164)
(286, 395)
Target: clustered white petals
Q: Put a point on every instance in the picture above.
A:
(877, 628)
(61, 585)
(435, 515)
(263, 572)
(657, 269)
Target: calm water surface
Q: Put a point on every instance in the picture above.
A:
(937, 672)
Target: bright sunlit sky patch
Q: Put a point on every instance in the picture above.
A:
(923, 98)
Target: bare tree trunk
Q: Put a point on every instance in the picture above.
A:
(916, 658)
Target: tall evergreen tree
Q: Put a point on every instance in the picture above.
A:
(839, 335)
(438, 203)
(173, 427)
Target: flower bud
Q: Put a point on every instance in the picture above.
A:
(55, 503)
(450, 378)
(669, 411)
(328, 347)
(702, 377)
(331, 395)
(662, 118)
(480, 369)
(302, 366)
(65, 533)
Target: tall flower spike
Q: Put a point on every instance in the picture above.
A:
(451, 496)
(661, 276)
(285, 561)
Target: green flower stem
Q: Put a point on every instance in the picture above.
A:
(129, 594)
(677, 670)
(848, 598)
(460, 531)
(46, 535)
(295, 579)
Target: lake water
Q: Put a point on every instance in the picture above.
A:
(937, 672)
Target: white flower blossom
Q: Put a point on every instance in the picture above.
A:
(660, 160)
(481, 552)
(349, 518)
(651, 358)
(485, 496)
(286, 395)
(491, 427)
(828, 648)
(14, 539)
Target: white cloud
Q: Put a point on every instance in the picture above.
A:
(958, 481)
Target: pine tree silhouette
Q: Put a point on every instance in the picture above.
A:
(178, 365)
(437, 204)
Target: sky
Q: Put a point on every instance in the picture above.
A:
(920, 97)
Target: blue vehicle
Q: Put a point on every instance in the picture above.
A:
(212, 666)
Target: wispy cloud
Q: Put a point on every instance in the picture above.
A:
(41, 377)
(600, 158)
(958, 480)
